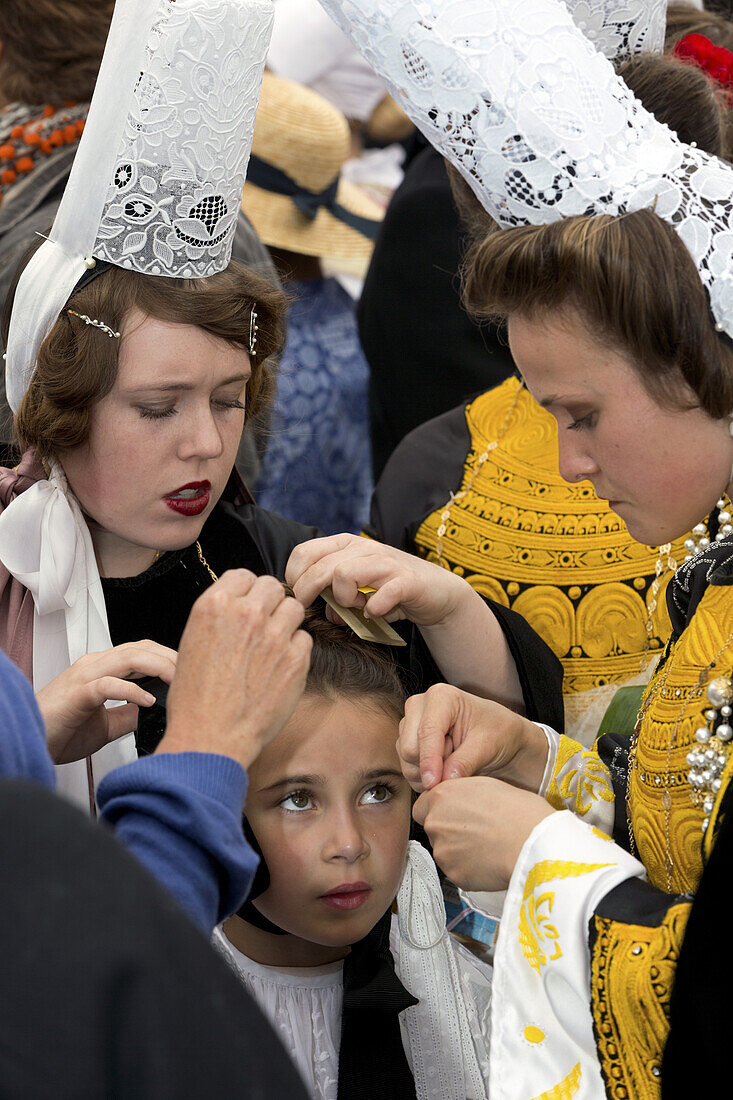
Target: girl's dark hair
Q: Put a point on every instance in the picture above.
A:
(77, 364)
(679, 93)
(344, 665)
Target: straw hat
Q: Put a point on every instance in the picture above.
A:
(300, 143)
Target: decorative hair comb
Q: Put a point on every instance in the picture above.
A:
(97, 324)
(253, 330)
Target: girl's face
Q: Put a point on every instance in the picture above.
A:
(163, 441)
(661, 469)
(331, 811)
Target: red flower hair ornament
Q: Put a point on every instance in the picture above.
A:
(715, 61)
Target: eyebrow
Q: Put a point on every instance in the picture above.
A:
(175, 387)
(320, 780)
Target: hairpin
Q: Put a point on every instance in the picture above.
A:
(97, 324)
(253, 329)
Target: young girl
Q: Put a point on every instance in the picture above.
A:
(357, 994)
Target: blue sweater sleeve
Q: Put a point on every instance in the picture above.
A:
(180, 814)
(23, 752)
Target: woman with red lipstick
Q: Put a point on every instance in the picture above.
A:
(147, 433)
(357, 994)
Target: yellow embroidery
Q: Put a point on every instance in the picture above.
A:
(534, 1034)
(601, 835)
(565, 1088)
(535, 927)
(579, 779)
(662, 774)
(632, 973)
(550, 549)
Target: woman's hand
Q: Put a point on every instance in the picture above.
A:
(72, 705)
(477, 828)
(406, 587)
(242, 666)
(458, 627)
(449, 734)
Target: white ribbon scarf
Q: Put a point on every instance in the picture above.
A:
(46, 545)
(445, 1063)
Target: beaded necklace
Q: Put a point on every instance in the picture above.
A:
(49, 129)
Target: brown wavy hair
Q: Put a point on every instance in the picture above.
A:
(52, 49)
(635, 287)
(76, 364)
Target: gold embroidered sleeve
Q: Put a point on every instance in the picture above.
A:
(581, 783)
(632, 974)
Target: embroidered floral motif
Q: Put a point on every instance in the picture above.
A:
(534, 923)
(579, 779)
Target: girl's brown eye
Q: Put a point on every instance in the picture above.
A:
(297, 800)
(377, 794)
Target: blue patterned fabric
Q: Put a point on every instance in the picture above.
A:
(318, 464)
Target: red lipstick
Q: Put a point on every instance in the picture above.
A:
(191, 499)
(347, 896)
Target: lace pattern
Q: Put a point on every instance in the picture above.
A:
(621, 30)
(173, 201)
(517, 98)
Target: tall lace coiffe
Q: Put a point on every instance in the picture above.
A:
(157, 181)
(536, 120)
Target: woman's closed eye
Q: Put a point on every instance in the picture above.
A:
(148, 412)
(221, 404)
(587, 421)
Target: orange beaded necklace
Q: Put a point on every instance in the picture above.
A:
(41, 135)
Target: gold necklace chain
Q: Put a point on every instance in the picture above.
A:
(205, 564)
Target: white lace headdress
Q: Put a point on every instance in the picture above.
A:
(155, 187)
(157, 180)
(621, 28)
(516, 97)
